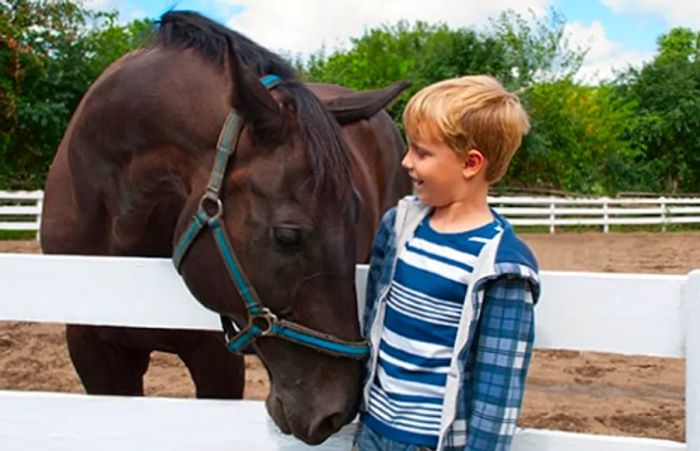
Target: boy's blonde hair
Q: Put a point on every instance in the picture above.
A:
(471, 112)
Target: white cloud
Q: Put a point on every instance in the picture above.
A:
(304, 26)
(604, 56)
(104, 5)
(674, 12)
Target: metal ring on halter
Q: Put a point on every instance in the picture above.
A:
(209, 196)
(267, 316)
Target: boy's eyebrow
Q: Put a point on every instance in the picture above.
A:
(412, 143)
(419, 147)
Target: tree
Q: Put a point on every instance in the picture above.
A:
(518, 52)
(535, 50)
(580, 143)
(50, 52)
(666, 93)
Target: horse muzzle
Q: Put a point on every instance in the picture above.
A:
(310, 424)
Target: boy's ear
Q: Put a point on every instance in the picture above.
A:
(474, 163)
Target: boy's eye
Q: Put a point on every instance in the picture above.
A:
(420, 152)
(417, 151)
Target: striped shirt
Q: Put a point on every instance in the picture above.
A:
(424, 307)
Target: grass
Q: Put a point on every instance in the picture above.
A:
(17, 235)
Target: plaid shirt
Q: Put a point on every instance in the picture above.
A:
(486, 383)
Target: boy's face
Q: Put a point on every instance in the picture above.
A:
(436, 171)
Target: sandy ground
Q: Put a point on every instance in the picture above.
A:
(574, 391)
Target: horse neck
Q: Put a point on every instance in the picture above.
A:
(149, 196)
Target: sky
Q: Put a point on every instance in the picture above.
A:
(617, 33)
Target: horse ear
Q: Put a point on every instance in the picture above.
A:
(356, 106)
(255, 103)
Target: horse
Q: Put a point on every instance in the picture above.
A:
(205, 147)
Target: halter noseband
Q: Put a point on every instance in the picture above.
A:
(261, 321)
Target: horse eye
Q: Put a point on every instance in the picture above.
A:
(288, 237)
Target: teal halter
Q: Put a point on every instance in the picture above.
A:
(261, 321)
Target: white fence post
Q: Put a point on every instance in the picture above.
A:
(552, 216)
(606, 217)
(691, 300)
(663, 214)
(40, 205)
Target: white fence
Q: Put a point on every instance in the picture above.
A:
(566, 212)
(622, 313)
(21, 210)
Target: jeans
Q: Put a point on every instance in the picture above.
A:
(368, 440)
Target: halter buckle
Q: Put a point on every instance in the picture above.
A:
(210, 199)
(263, 321)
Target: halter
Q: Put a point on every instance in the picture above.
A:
(261, 321)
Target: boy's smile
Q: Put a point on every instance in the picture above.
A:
(436, 171)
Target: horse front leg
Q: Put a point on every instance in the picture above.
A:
(216, 372)
(106, 366)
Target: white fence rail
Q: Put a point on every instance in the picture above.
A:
(622, 313)
(21, 210)
(565, 212)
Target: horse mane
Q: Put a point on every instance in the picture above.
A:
(326, 151)
(191, 30)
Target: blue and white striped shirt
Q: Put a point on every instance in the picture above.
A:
(424, 307)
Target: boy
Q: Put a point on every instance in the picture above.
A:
(451, 289)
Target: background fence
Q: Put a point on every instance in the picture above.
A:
(580, 311)
(556, 212)
(21, 210)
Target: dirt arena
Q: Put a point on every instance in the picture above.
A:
(573, 391)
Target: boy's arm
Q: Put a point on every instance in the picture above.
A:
(376, 263)
(505, 339)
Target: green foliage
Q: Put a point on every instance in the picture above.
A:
(666, 124)
(639, 133)
(380, 57)
(16, 235)
(534, 50)
(514, 50)
(50, 52)
(579, 140)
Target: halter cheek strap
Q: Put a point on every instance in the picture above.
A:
(261, 321)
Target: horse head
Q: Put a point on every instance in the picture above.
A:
(266, 239)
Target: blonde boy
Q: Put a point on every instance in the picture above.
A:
(451, 288)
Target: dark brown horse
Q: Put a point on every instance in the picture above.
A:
(300, 200)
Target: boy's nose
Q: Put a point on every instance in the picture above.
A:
(406, 162)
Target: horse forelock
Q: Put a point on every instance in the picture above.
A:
(322, 140)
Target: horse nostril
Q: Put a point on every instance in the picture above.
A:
(336, 421)
(329, 425)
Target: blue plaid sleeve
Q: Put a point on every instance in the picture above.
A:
(376, 265)
(505, 339)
